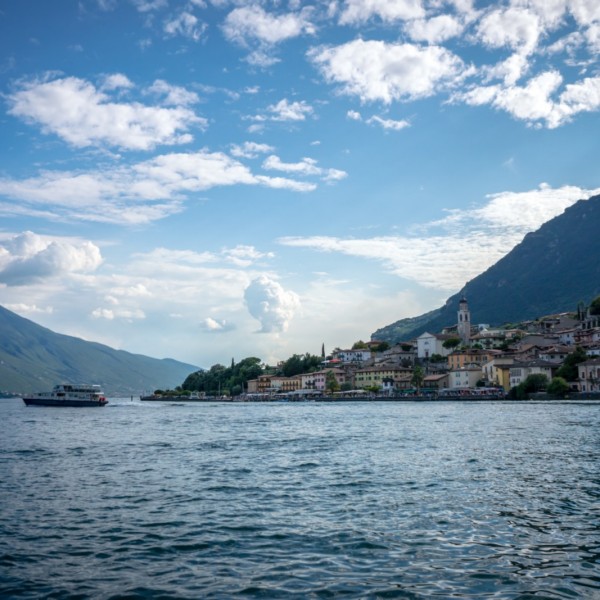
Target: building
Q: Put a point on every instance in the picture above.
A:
(463, 358)
(465, 378)
(354, 356)
(519, 372)
(589, 375)
(429, 344)
(318, 380)
(464, 321)
(376, 376)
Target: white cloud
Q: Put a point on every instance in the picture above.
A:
(270, 304)
(480, 236)
(359, 11)
(186, 25)
(516, 28)
(250, 149)
(217, 325)
(77, 112)
(390, 124)
(307, 166)
(117, 81)
(111, 314)
(174, 95)
(290, 111)
(434, 30)
(534, 102)
(133, 195)
(375, 70)
(354, 115)
(253, 23)
(29, 257)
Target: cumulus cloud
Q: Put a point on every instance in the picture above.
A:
(290, 111)
(539, 101)
(122, 313)
(517, 28)
(252, 23)
(376, 70)
(28, 257)
(270, 304)
(136, 194)
(359, 11)
(80, 114)
(434, 30)
(481, 236)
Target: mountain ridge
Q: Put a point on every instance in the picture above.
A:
(35, 358)
(551, 270)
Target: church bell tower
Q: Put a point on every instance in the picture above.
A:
(464, 321)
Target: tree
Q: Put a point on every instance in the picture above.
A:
(558, 387)
(536, 382)
(595, 306)
(418, 377)
(331, 382)
(360, 345)
(451, 343)
(569, 370)
(381, 347)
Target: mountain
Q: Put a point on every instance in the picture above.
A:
(552, 270)
(33, 358)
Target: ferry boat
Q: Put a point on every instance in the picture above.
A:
(68, 395)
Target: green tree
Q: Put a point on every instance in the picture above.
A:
(360, 345)
(381, 347)
(331, 383)
(558, 387)
(451, 343)
(536, 382)
(595, 306)
(569, 370)
(418, 377)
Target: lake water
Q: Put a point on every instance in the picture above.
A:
(349, 500)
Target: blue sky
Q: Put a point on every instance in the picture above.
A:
(215, 179)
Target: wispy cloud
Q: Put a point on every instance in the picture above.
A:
(135, 194)
(480, 237)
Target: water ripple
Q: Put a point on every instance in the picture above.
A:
(404, 500)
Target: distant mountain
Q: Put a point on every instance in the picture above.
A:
(33, 358)
(552, 270)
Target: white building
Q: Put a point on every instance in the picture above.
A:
(465, 378)
(353, 356)
(429, 344)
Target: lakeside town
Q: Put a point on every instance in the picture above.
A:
(554, 356)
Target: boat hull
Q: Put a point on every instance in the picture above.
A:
(59, 402)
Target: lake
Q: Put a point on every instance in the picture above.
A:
(408, 500)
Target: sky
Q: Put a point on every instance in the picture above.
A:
(208, 180)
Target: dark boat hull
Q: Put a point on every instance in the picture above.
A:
(58, 402)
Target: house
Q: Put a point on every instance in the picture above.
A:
(438, 381)
(318, 379)
(589, 375)
(375, 376)
(358, 355)
(281, 384)
(520, 371)
(462, 358)
(464, 378)
(497, 371)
